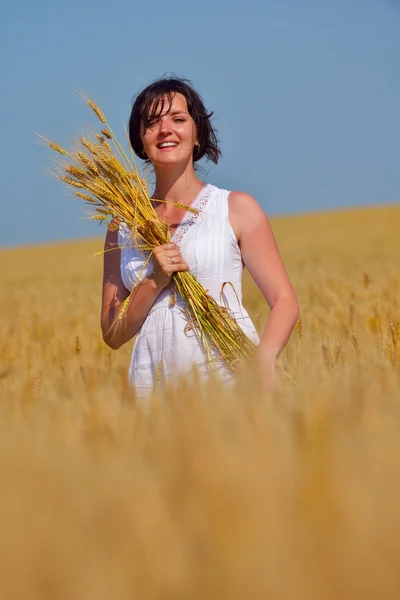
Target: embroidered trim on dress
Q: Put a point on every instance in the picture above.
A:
(189, 219)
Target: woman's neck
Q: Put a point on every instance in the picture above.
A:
(176, 185)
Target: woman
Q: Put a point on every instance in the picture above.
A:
(170, 128)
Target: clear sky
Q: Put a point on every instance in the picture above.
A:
(306, 95)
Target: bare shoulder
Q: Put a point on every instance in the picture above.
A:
(244, 212)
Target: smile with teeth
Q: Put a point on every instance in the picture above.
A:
(167, 145)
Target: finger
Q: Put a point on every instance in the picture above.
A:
(173, 254)
(182, 266)
(177, 262)
(158, 250)
(173, 267)
(168, 246)
(166, 258)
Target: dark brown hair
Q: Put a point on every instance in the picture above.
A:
(151, 104)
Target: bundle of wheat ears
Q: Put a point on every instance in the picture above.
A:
(105, 177)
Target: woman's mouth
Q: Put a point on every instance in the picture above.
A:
(167, 145)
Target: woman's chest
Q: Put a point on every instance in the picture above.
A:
(205, 251)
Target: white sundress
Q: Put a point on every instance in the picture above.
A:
(163, 347)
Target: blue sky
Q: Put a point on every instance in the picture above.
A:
(306, 97)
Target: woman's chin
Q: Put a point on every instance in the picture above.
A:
(167, 162)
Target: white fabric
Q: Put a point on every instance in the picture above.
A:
(209, 246)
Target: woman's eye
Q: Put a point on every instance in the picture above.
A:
(179, 120)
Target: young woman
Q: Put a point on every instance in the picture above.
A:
(170, 128)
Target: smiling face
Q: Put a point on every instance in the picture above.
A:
(170, 136)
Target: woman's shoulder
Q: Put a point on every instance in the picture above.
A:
(235, 196)
(245, 213)
(241, 197)
(243, 202)
(240, 203)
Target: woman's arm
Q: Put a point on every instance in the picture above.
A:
(115, 293)
(261, 256)
(144, 295)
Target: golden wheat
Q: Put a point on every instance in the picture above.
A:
(206, 492)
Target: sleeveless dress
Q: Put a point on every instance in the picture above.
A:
(163, 348)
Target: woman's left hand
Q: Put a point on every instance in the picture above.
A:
(267, 369)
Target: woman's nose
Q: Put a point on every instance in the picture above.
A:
(164, 126)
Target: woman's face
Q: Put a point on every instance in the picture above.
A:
(169, 140)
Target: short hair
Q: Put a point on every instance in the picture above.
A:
(152, 101)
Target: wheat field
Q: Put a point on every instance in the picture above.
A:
(206, 493)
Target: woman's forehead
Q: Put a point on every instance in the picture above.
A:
(166, 104)
(178, 102)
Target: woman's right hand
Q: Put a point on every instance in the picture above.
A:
(167, 261)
